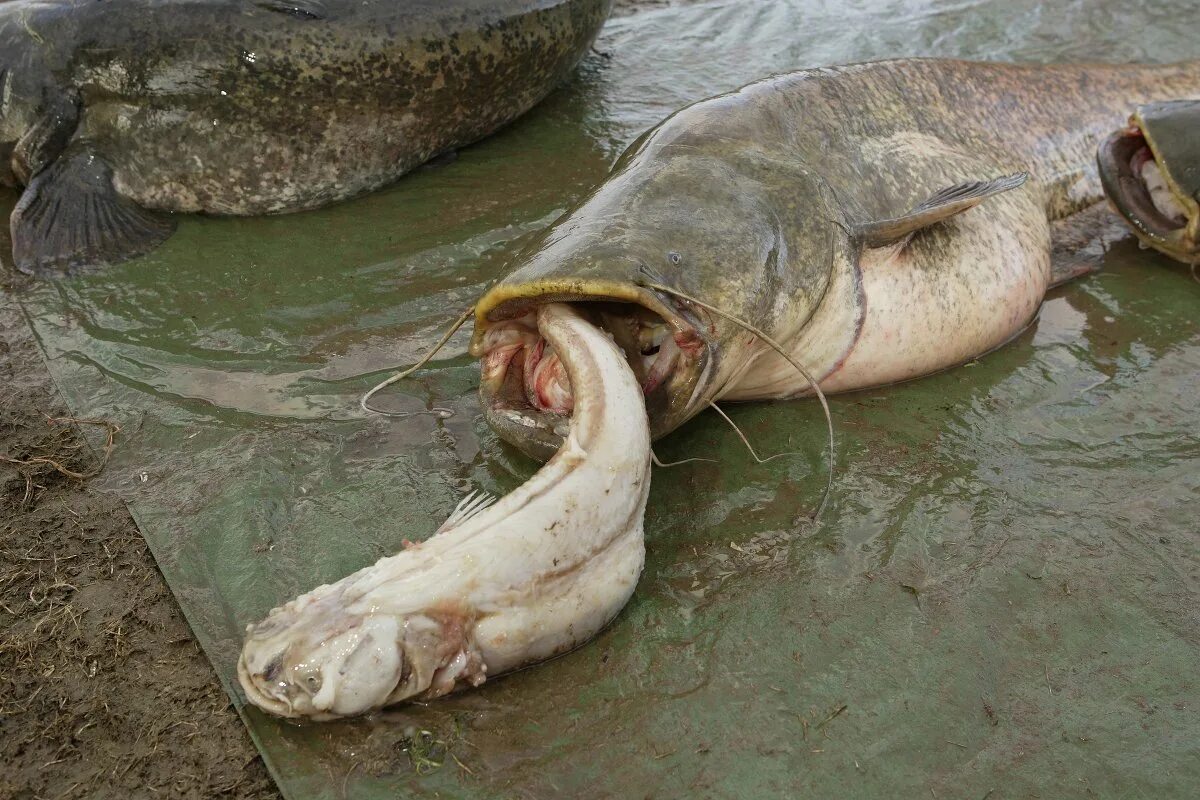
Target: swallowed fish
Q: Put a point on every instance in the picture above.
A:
(500, 585)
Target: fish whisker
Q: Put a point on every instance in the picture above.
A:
(364, 402)
(778, 348)
(746, 441)
(655, 460)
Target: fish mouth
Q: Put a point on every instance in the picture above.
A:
(258, 693)
(524, 388)
(1149, 188)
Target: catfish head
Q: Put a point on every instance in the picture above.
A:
(1151, 173)
(683, 215)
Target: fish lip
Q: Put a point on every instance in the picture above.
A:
(532, 431)
(506, 302)
(258, 695)
(1128, 194)
(540, 433)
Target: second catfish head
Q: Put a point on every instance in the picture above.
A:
(1151, 173)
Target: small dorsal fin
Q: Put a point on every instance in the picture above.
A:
(940, 206)
(467, 508)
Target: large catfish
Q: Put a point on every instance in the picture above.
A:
(834, 210)
(111, 112)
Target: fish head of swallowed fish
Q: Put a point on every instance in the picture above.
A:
(722, 223)
(317, 658)
(1151, 173)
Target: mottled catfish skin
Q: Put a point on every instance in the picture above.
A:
(112, 110)
(832, 208)
(497, 587)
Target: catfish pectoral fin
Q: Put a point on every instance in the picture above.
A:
(71, 217)
(1078, 243)
(940, 206)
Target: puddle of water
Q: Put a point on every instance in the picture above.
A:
(1002, 592)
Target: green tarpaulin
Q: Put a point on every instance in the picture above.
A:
(1002, 595)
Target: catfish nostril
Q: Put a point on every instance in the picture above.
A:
(274, 667)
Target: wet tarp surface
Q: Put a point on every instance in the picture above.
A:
(1002, 595)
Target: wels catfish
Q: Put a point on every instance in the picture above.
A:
(1151, 173)
(113, 112)
(834, 210)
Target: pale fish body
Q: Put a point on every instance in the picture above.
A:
(498, 586)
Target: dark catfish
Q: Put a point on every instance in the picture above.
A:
(112, 112)
(835, 210)
(1151, 173)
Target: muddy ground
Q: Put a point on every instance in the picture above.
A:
(104, 691)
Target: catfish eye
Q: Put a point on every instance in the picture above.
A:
(674, 258)
(309, 678)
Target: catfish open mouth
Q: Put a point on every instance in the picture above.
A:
(527, 395)
(1150, 188)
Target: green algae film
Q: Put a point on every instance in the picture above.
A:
(1001, 596)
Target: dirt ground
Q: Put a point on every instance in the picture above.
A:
(104, 690)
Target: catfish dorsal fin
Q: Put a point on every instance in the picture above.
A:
(942, 205)
(467, 508)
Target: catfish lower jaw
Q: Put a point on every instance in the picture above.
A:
(1137, 187)
(527, 396)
